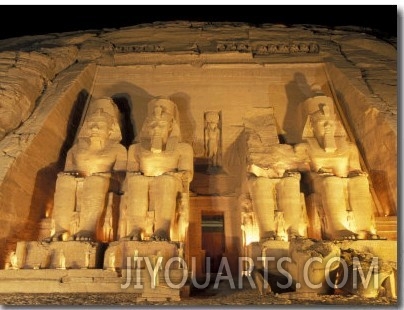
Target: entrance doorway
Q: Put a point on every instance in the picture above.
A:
(213, 240)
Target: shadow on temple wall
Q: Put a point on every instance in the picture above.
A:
(128, 128)
(383, 191)
(133, 99)
(45, 182)
(187, 122)
(297, 91)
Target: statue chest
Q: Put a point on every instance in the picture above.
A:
(99, 161)
(153, 164)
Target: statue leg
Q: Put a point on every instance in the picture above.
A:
(361, 204)
(262, 192)
(164, 192)
(288, 190)
(64, 203)
(94, 199)
(136, 203)
(335, 207)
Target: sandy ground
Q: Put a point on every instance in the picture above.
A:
(222, 295)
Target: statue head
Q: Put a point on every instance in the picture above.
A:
(161, 125)
(212, 119)
(99, 125)
(323, 123)
(101, 121)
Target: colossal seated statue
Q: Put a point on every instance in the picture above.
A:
(82, 188)
(341, 187)
(274, 183)
(159, 170)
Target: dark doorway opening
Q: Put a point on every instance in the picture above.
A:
(213, 240)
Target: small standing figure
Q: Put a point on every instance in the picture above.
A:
(111, 261)
(159, 254)
(183, 218)
(181, 256)
(149, 229)
(62, 260)
(14, 260)
(247, 227)
(212, 137)
(136, 259)
(75, 223)
(108, 221)
(87, 259)
(281, 233)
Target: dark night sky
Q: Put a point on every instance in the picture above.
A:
(42, 19)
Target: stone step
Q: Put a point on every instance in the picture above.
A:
(380, 219)
(387, 227)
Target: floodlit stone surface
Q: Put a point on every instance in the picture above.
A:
(286, 136)
(159, 170)
(83, 187)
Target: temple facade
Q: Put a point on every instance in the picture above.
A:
(234, 142)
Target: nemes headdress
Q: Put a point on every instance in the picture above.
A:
(170, 110)
(167, 105)
(103, 109)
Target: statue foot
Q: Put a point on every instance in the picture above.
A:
(346, 235)
(270, 235)
(84, 236)
(296, 237)
(59, 236)
(136, 238)
(367, 235)
(160, 236)
(376, 237)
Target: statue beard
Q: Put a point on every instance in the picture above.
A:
(156, 144)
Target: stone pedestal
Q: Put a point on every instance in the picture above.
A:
(45, 255)
(124, 252)
(46, 228)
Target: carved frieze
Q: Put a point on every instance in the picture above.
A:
(269, 48)
(282, 48)
(138, 48)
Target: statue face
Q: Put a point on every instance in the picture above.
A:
(158, 110)
(98, 129)
(160, 129)
(212, 125)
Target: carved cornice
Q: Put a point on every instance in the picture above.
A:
(138, 48)
(269, 48)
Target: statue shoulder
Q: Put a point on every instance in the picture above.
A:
(134, 147)
(119, 148)
(184, 147)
